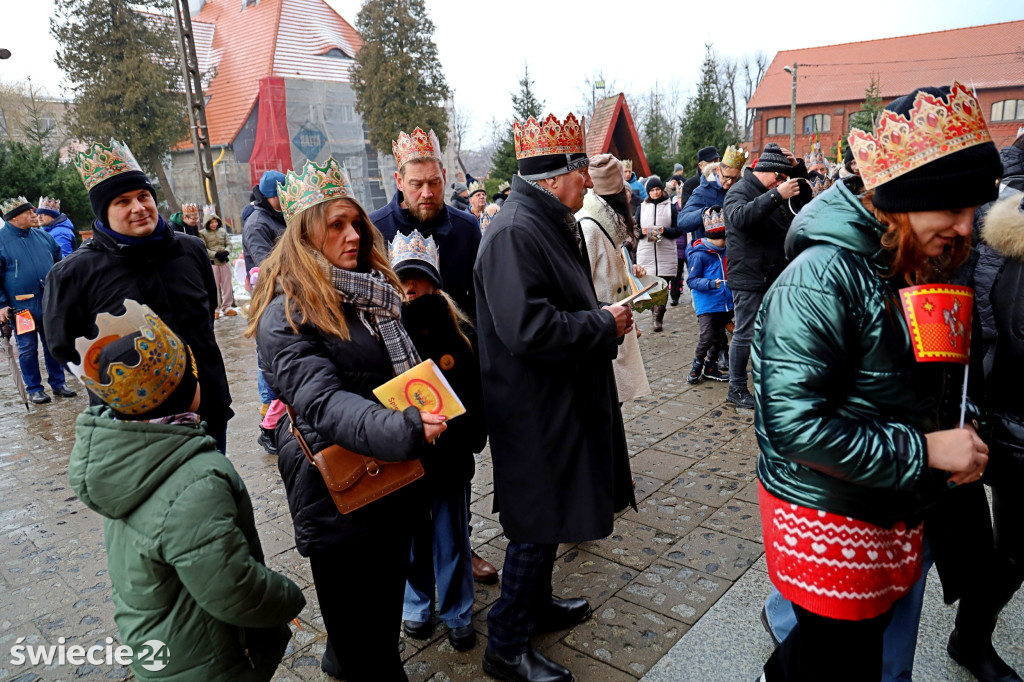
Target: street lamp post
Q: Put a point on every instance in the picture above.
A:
(791, 70)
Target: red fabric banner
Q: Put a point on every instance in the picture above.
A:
(939, 317)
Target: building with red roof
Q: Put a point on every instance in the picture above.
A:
(831, 81)
(611, 131)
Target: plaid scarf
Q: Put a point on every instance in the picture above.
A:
(379, 306)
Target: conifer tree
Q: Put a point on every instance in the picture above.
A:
(122, 69)
(525, 104)
(706, 120)
(872, 106)
(397, 77)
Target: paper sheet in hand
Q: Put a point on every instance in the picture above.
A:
(423, 387)
(639, 295)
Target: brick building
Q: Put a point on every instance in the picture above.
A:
(831, 81)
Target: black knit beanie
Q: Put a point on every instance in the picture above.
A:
(772, 160)
(102, 194)
(965, 178)
(17, 210)
(181, 397)
(652, 182)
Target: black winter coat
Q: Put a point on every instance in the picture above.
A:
(457, 235)
(260, 232)
(756, 222)
(329, 382)
(171, 275)
(449, 464)
(561, 469)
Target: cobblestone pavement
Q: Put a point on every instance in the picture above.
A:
(694, 534)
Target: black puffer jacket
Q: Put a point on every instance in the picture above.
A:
(756, 222)
(449, 464)
(171, 275)
(329, 382)
(261, 230)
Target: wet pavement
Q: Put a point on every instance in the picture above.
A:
(676, 570)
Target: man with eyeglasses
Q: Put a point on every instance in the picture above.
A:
(758, 211)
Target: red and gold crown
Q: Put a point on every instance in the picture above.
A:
(418, 145)
(164, 360)
(551, 136)
(190, 211)
(933, 128)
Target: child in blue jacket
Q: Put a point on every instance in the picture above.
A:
(708, 266)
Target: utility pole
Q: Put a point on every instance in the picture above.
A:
(196, 103)
(792, 109)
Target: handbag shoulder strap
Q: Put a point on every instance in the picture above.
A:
(601, 227)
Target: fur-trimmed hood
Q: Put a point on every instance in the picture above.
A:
(1004, 227)
(597, 208)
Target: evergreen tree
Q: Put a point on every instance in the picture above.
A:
(525, 104)
(706, 120)
(397, 77)
(31, 171)
(871, 108)
(125, 77)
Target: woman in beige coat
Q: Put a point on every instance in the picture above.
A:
(607, 223)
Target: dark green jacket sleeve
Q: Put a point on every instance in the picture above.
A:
(807, 340)
(204, 542)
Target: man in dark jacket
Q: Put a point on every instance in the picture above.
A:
(419, 205)
(704, 157)
(460, 197)
(26, 256)
(134, 254)
(561, 469)
(186, 221)
(56, 224)
(757, 216)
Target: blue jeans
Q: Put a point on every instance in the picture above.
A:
(900, 639)
(28, 358)
(441, 555)
(267, 394)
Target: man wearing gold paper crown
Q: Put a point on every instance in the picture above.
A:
(56, 224)
(26, 256)
(561, 470)
(186, 221)
(135, 254)
(857, 432)
(419, 205)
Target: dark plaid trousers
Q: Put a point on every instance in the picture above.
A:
(525, 583)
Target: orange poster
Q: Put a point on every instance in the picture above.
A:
(23, 322)
(423, 387)
(939, 317)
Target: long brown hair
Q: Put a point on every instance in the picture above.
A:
(907, 260)
(292, 268)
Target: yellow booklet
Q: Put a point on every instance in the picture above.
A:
(422, 387)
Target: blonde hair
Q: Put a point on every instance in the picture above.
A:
(293, 269)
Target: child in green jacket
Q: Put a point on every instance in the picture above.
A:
(185, 561)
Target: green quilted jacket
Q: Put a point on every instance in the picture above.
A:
(842, 406)
(185, 562)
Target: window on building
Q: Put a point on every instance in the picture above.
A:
(1008, 110)
(778, 126)
(336, 53)
(820, 122)
(249, 3)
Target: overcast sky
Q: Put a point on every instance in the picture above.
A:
(483, 46)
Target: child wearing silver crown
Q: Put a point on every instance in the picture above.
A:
(186, 566)
(441, 553)
(708, 267)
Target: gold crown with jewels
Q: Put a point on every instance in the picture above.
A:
(103, 161)
(734, 157)
(164, 359)
(475, 187)
(49, 204)
(190, 211)
(935, 127)
(550, 136)
(418, 145)
(504, 186)
(314, 185)
(8, 205)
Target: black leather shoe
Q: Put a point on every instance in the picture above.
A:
(39, 397)
(529, 666)
(268, 440)
(64, 392)
(740, 398)
(462, 638)
(418, 630)
(982, 661)
(329, 663)
(562, 614)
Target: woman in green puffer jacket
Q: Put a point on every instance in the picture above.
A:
(185, 563)
(855, 435)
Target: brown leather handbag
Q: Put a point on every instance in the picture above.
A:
(356, 480)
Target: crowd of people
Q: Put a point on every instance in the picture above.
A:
(872, 464)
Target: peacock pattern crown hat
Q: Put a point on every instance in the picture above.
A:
(934, 127)
(103, 161)
(134, 390)
(417, 252)
(313, 185)
(418, 145)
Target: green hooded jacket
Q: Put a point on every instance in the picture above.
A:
(842, 406)
(185, 562)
